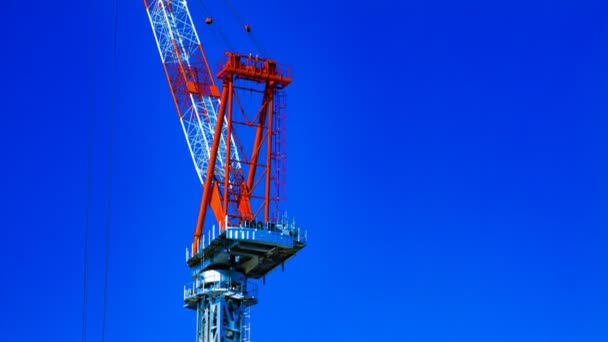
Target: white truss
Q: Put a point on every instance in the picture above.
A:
(199, 120)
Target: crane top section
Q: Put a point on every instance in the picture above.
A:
(242, 181)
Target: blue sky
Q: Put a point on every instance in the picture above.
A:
(449, 160)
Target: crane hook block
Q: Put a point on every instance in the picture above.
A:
(247, 28)
(208, 21)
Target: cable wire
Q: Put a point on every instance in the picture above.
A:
(110, 158)
(235, 13)
(89, 190)
(217, 32)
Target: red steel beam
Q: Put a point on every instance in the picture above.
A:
(211, 169)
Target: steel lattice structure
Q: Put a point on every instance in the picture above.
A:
(194, 91)
(242, 183)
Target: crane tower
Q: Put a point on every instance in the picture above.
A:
(242, 174)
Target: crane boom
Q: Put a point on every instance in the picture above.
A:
(192, 85)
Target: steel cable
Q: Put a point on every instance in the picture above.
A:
(89, 186)
(235, 12)
(217, 32)
(109, 188)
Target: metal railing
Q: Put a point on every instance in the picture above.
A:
(227, 286)
(282, 226)
(204, 242)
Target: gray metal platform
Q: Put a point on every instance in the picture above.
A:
(250, 251)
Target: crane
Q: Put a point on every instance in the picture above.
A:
(242, 175)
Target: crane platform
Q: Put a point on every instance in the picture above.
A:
(252, 251)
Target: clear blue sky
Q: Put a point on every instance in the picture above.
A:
(448, 158)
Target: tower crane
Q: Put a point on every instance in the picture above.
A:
(242, 175)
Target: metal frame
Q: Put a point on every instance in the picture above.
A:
(264, 164)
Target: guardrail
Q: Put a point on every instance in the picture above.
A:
(290, 229)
